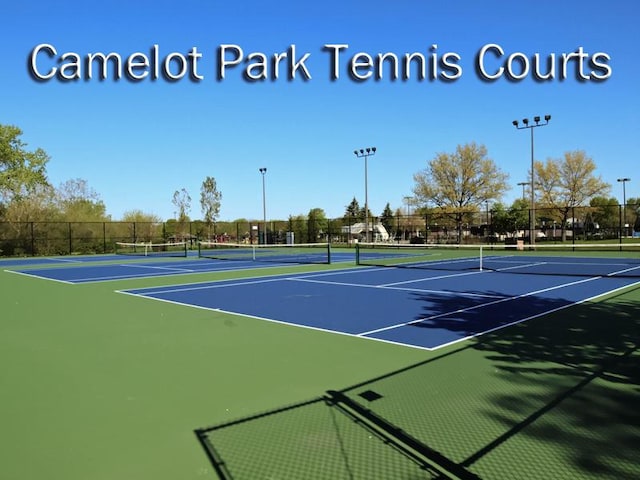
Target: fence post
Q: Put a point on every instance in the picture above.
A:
(573, 225)
(621, 226)
(33, 241)
(426, 228)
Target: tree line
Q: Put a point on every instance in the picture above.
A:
(26, 195)
(453, 183)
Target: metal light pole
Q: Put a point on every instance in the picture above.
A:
(523, 184)
(366, 153)
(624, 203)
(532, 220)
(263, 170)
(409, 223)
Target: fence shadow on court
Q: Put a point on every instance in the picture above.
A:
(555, 397)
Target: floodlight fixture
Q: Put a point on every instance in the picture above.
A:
(624, 203)
(525, 122)
(523, 184)
(366, 153)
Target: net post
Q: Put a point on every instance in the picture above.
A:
(357, 254)
(329, 253)
(481, 255)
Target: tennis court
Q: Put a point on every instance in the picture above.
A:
(413, 307)
(418, 363)
(139, 261)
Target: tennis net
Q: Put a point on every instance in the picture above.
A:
(285, 253)
(172, 249)
(590, 260)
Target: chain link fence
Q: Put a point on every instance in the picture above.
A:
(611, 222)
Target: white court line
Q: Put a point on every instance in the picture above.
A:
(425, 264)
(475, 307)
(217, 283)
(536, 315)
(271, 320)
(128, 276)
(176, 269)
(190, 287)
(64, 260)
(613, 274)
(26, 274)
(307, 278)
(522, 265)
(586, 274)
(439, 277)
(391, 287)
(361, 335)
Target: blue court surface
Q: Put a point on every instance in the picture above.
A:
(82, 270)
(418, 308)
(63, 260)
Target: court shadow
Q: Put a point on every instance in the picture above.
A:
(319, 439)
(552, 397)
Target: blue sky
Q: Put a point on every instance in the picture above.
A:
(136, 143)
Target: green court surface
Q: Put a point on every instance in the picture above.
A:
(96, 385)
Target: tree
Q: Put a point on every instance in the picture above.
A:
(509, 220)
(210, 198)
(298, 225)
(78, 202)
(182, 202)
(38, 206)
(605, 213)
(21, 171)
(632, 213)
(353, 211)
(145, 227)
(570, 182)
(140, 216)
(386, 219)
(317, 224)
(633, 203)
(459, 182)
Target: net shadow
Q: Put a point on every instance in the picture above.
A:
(555, 397)
(549, 398)
(319, 439)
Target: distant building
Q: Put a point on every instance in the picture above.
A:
(357, 233)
